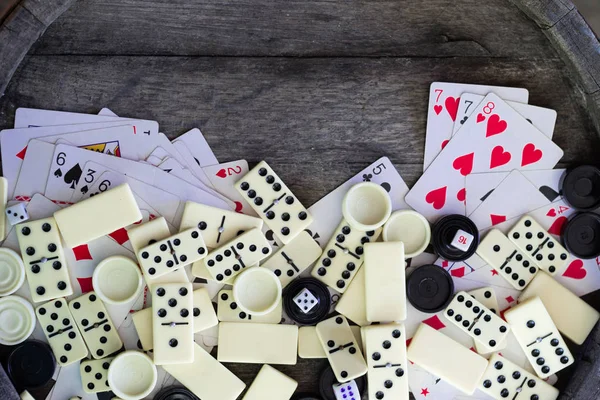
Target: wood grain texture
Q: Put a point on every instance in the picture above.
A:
(46, 11)
(545, 13)
(6, 6)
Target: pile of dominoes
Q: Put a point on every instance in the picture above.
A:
(135, 267)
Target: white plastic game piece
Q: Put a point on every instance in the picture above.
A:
(12, 271)
(217, 226)
(462, 240)
(117, 280)
(271, 344)
(573, 317)
(536, 333)
(95, 325)
(487, 297)
(3, 200)
(17, 213)
(17, 320)
(172, 253)
(62, 333)
(233, 257)
(366, 206)
(172, 323)
(343, 256)
(257, 291)
(341, 348)
(534, 241)
(132, 375)
(206, 377)
(142, 320)
(292, 259)
(513, 265)
(94, 375)
(385, 282)
(305, 300)
(505, 380)
(25, 395)
(352, 304)
(443, 357)
(229, 311)
(410, 228)
(274, 202)
(346, 391)
(271, 384)
(385, 353)
(309, 345)
(44, 260)
(98, 216)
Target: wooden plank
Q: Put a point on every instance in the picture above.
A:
(545, 13)
(6, 6)
(46, 11)
(433, 28)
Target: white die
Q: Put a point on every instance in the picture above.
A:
(17, 213)
(306, 301)
(346, 391)
(462, 240)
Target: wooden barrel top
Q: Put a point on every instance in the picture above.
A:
(320, 88)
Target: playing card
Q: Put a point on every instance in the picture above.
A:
(497, 138)
(199, 148)
(34, 170)
(444, 99)
(107, 112)
(223, 176)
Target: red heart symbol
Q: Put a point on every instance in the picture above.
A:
(221, 173)
(437, 197)
(452, 106)
(438, 109)
(556, 227)
(495, 126)
(575, 270)
(497, 219)
(461, 195)
(530, 154)
(464, 164)
(499, 157)
(551, 213)
(480, 117)
(444, 143)
(238, 207)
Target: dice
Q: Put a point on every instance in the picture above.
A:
(17, 214)
(346, 391)
(462, 240)
(306, 301)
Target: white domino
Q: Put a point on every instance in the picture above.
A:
(352, 304)
(271, 384)
(95, 325)
(274, 202)
(309, 345)
(385, 282)
(94, 375)
(487, 297)
(44, 260)
(343, 256)
(505, 257)
(229, 311)
(292, 259)
(536, 333)
(142, 320)
(341, 348)
(61, 331)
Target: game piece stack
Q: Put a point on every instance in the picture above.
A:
(135, 256)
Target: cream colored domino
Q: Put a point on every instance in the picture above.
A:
(385, 282)
(271, 384)
(505, 380)
(531, 238)
(172, 253)
(94, 375)
(505, 257)
(309, 345)
(229, 311)
(536, 333)
(61, 331)
(341, 348)
(172, 323)
(343, 256)
(487, 297)
(573, 317)
(386, 361)
(293, 258)
(217, 226)
(233, 257)
(206, 377)
(142, 320)
(25, 395)
(3, 200)
(97, 329)
(274, 202)
(443, 357)
(257, 343)
(98, 216)
(352, 303)
(356, 331)
(44, 259)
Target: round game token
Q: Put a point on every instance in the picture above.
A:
(257, 291)
(581, 235)
(117, 280)
(132, 375)
(409, 227)
(429, 288)
(17, 320)
(175, 393)
(316, 313)
(366, 206)
(327, 380)
(443, 233)
(12, 271)
(581, 187)
(31, 365)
